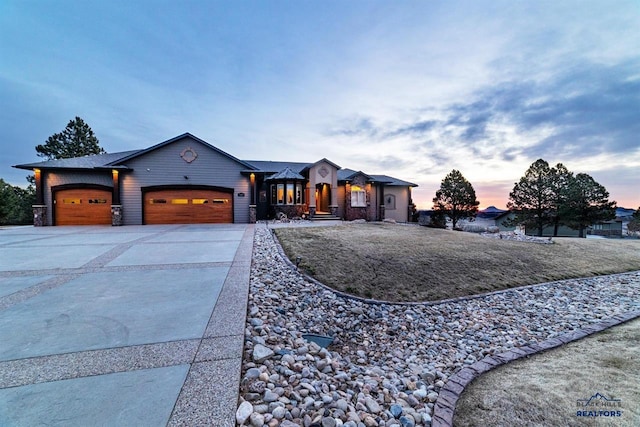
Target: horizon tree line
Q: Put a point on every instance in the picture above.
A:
(545, 196)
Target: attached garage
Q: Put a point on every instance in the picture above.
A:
(82, 206)
(188, 206)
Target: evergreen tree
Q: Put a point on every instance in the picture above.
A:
(587, 203)
(634, 224)
(561, 179)
(76, 140)
(533, 197)
(15, 204)
(456, 198)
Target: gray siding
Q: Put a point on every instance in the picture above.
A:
(52, 179)
(164, 166)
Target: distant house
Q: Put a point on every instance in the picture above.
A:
(187, 180)
(503, 222)
(617, 227)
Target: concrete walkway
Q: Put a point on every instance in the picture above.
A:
(112, 326)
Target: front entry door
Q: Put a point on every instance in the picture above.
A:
(323, 197)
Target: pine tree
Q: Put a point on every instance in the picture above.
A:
(76, 140)
(561, 179)
(456, 198)
(533, 197)
(587, 203)
(634, 224)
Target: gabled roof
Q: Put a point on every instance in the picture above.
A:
(389, 180)
(86, 162)
(286, 173)
(284, 170)
(348, 174)
(324, 160)
(177, 138)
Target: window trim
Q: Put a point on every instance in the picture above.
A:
(358, 197)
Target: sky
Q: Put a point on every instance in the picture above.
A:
(411, 89)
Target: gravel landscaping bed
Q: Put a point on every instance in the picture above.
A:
(388, 362)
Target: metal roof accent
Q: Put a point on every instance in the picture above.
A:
(286, 173)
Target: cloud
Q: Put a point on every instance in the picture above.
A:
(416, 129)
(362, 126)
(588, 109)
(386, 163)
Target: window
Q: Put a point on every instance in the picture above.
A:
(358, 197)
(221, 201)
(281, 194)
(179, 201)
(298, 194)
(199, 201)
(157, 201)
(289, 194)
(98, 201)
(71, 201)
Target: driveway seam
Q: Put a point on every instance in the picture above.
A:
(35, 290)
(57, 367)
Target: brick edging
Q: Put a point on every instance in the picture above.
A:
(445, 405)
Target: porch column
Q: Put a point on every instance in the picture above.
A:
(252, 184)
(39, 209)
(381, 201)
(312, 195)
(116, 206)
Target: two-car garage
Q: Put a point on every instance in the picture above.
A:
(92, 206)
(187, 206)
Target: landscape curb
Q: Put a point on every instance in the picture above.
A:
(445, 405)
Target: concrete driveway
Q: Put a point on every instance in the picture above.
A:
(113, 326)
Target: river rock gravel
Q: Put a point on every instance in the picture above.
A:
(388, 362)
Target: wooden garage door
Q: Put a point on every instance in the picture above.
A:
(83, 206)
(182, 206)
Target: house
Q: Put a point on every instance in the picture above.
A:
(504, 221)
(187, 180)
(617, 227)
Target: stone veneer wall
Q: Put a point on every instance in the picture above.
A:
(39, 215)
(291, 211)
(116, 215)
(352, 213)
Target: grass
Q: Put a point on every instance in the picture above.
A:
(545, 388)
(400, 263)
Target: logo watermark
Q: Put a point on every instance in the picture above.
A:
(599, 405)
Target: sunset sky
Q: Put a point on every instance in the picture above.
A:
(411, 89)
